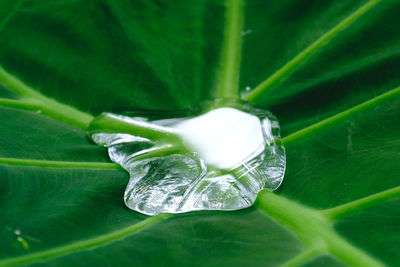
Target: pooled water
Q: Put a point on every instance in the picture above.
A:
(219, 159)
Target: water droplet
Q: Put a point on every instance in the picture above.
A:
(248, 88)
(17, 232)
(249, 31)
(216, 158)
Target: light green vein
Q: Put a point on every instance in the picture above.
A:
(302, 258)
(13, 83)
(13, 103)
(228, 74)
(48, 106)
(85, 244)
(59, 164)
(342, 116)
(352, 67)
(353, 207)
(268, 84)
(312, 228)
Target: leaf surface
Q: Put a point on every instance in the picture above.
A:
(61, 199)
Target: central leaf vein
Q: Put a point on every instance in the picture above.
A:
(228, 75)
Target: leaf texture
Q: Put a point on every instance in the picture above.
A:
(61, 199)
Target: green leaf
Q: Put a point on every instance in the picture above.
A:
(327, 69)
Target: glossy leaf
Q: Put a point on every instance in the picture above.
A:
(333, 84)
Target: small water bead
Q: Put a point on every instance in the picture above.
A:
(249, 31)
(217, 158)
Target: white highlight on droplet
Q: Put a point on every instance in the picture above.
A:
(223, 137)
(247, 32)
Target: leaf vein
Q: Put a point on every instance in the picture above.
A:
(228, 78)
(328, 122)
(353, 207)
(85, 244)
(59, 164)
(267, 85)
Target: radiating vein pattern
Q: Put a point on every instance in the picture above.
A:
(272, 205)
(313, 227)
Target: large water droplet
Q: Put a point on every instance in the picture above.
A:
(217, 158)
